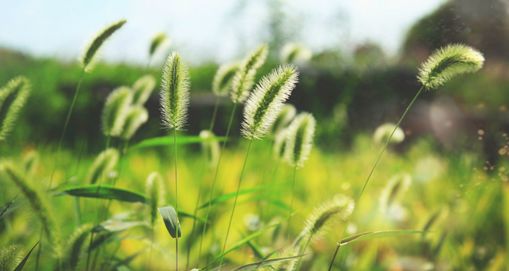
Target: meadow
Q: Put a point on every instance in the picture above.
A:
(265, 195)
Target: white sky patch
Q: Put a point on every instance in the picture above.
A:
(200, 30)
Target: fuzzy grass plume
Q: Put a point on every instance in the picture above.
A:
(280, 144)
(154, 189)
(156, 42)
(93, 47)
(174, 94)
(384, 131)
(103, 165)
(142, 89)
(74, 246)
(12, 99)
(448, 62)
(221, 85)
(284, 118)
(244, 78)
(266, 101)
(210, 147)
(295, 53)
(135, 117)
(38, 202)
(299, 139)
(115, 111)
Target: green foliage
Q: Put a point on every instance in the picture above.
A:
(171, 221)
(105, 192)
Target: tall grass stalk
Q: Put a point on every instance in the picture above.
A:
(176, 197)
(239, 183)
(216, 173)
(440, 67)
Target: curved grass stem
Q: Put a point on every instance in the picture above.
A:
(239, 183)
(176, 198)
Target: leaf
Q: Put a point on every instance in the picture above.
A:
(257, 265)
(188, 215)
(168, 140)
(171, 221)
(226, 197)
(376, 234)
(105, 192)
(7, 208)
(244, 241)
(25, 259)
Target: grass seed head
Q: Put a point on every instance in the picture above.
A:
(103, 165)
(340, 207)
(243, 79)
(13, 97)
(174, 96)
(90, 52)
(142, 89)
(284, 118)
(384, 131)
(448, 62)
(210, 147)
(115, 111)
(156, 42)
(295, 53)
(154, 189)
(222, 83)
(266, 101)
(299, 139)
(136, 116)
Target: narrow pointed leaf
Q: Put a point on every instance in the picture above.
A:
(168, 140)
(376, 234)
(105, 192)
(25, 259)
(171, 221)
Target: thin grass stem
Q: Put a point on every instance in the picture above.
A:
(216, 172)
(375, 164)
(239, 183)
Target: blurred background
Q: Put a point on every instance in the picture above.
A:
(361, 71)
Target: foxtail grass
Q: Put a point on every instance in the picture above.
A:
(244, 78)
(13, 98)
(174, 100)
(115, 111)
(142, 89)
(443, 65)
(260, 112)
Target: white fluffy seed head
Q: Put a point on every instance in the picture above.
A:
(222, 83)
(103, 165)
(299, 139)
(115, 111)
(384, 131)
(13, 98)
(279, 144)
(243, 79)
(156, 42)
(395, 188)
(340, 207)
(284, 118)
(448, 62)
(210, 147)
(266, 101)
(136, 116)
(295, 53)
(174, 95)
(90, 52)
(155, 190)
(142, 89)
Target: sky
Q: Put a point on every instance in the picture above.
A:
(201, 30)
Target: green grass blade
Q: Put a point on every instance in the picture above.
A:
(25, 259)
(171, 221)
(257, 265)
(168, 140)
(376, 234)
(226, 197)
(105, 192)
